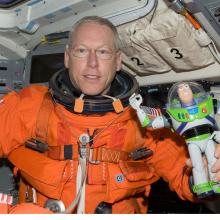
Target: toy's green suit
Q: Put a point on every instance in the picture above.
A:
(194, 120)
(196, 124)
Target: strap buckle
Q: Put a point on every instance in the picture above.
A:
(37, 145)
(140, 153)
(84, 140)
(91, 150)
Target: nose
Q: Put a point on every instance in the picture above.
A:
(92, 59)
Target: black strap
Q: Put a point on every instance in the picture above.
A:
(68, 151)
(198, 130)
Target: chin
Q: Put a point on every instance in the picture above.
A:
(92, 93)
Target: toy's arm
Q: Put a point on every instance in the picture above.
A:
(148, 117)
(135, 102)
(157, 119)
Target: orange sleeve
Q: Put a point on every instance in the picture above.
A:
(35, 167)
(28, 208)
(18, 113)
(170, 155)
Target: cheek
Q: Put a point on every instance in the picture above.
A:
(110, 70)
(75, 68)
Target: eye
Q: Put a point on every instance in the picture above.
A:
(180, 88)
(103, 51)
(81, 50)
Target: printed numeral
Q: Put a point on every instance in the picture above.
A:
(177, 53)
(135, 59)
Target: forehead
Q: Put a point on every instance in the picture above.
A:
(183, 85)
(93, 33)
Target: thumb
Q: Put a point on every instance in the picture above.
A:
(189, 163)
(217, 151)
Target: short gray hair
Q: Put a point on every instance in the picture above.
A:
(98, 20)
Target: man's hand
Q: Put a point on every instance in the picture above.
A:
(216, 136)
(216, 166)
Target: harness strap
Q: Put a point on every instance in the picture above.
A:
(102, 154)
(99, 154)
(26, 192)
(43, 118)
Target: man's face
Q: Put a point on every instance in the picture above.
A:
(185, 93)
(92, 59)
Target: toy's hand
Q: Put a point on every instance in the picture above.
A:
(216, 166)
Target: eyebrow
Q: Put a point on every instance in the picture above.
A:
(83, 45)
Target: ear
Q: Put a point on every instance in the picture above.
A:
(66, 57)
(118, 60)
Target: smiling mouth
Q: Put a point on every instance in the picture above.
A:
(186, 93)
(91, 76)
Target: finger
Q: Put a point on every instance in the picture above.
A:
(216, 166)
(189, 163)
(217, 151)
(216, 178)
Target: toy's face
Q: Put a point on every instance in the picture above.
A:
(185, 93)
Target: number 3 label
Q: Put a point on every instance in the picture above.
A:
(177, 54)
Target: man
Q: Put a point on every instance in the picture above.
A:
(88, 152)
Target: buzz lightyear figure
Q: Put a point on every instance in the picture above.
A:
(191, 113)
